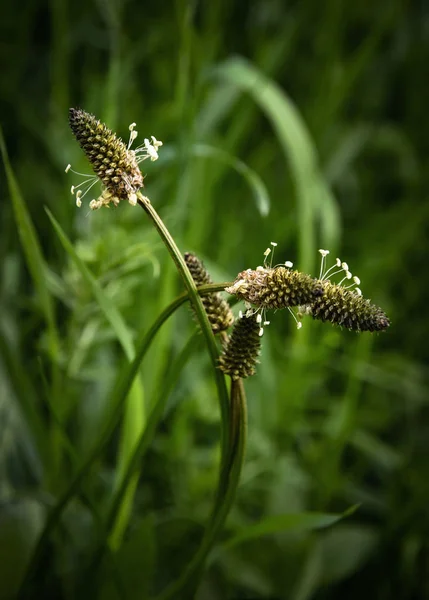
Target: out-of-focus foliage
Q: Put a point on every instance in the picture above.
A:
(314, 110)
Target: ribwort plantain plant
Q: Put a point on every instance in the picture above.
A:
(236, 351)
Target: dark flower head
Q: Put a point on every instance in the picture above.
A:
(113, 162)
(240, 354)
(277, 287)
(347, 308)
(217, 309)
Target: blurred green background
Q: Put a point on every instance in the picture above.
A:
(300, 122)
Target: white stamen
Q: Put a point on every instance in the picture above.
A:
(151, 150)
(324, 253)
(338, 262)
(249, 312)
(344, 266)
(288, 264)
(259, 318)
(72, 190)
(68, 167)
(356, 280)
(298, 323)
(358, 291)
(260, 268)
(156, 143)
(266, 323)
(78, 202)
(267, 252)
(132, 199)
(261, 332)
(131, 127)
(273, 244)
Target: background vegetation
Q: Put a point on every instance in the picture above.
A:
(299, 122)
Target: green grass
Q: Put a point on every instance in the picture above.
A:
(300, 123)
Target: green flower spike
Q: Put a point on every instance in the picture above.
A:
(344, 305)
(113, 162)
(240, 354)
(348, 309)
(275, 287)
(217, 309)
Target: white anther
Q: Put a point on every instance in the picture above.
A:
(266, 323)
(131, 127)
(261, 332)
(72, 190)
(323, 252)
(156, 143)
(151, 151)
(132, 199)
(338, 262)
(348, 275)
(273, 244)
(288, 264)
(267, 252)
(344, 266)
(68, 167)
(299, 325)
(249, 312)
(240, 314)
(259, 318)
(358, 291)
(260, 268)
(356, 280)
(78, 202)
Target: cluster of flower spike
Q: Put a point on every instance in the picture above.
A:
(280, 287)
(115, 164)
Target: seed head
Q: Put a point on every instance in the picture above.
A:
(113, 163)
(347, 308)
(277, 287)
(240, 354)
(217, 309)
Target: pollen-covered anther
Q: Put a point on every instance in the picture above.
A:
(218, 310)
(240, 354)
(277, 287)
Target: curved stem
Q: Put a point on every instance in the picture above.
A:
(185, 587)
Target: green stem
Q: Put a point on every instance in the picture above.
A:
(200, 313)
(185, 587)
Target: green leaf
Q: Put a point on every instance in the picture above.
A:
(257, 186)
(135, 418)
(312, 193)
(305, 521)
(32, 251)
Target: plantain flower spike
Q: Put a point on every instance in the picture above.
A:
(114, 163)
(240, 353)
(218, 310)
(269, 287)
(344, 305)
